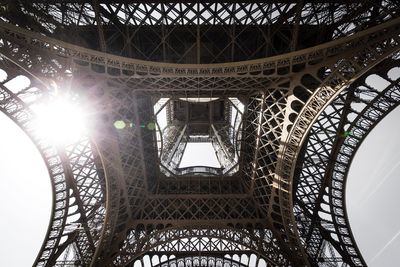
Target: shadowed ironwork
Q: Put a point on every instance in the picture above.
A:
(272, 86)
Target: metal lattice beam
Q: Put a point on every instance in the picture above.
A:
(292, 164)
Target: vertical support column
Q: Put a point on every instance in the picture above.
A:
(175, 141)
(102, 40)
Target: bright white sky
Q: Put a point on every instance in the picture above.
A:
(373, 194)
(25, 197)
(203, 153)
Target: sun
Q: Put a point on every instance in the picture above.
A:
(60, 121)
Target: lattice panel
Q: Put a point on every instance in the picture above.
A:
(202, 238)
(178, 208)
(194, 32)
(88, 188)
(341, 72)
(269, 134)
(312, 181)
(19, 111)
(375, 110)
(207, 185)
(77, 204)
(122, 153)
(201, 261)
(332, 143)
(190, 79)
(284, 95)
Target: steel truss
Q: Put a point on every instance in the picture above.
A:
(333, 141)
(78, 187)
(285, 205)
(332, 144)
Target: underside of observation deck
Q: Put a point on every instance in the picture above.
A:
(273, 87)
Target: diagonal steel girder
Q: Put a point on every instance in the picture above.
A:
(343, 61)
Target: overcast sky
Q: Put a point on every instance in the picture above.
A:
(25, 197)
(373, 195)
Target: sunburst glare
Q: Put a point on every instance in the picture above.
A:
(60, 121)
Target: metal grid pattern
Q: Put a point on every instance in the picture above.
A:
(197, 32)
(333, 140)
(284, 95)
(189, 238)
(78, 189)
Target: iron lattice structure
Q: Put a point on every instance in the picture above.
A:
(281, 90)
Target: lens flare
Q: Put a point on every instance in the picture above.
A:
(60, 121)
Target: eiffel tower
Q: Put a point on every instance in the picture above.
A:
(280, 90)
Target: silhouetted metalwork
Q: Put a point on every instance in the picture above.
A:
(284, 92)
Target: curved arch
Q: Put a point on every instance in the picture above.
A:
(341, 73)
(19, 112)
(228, 239)
(310, 184)
(199, 261)
(367, 119)
(74, 222)
(377, 44)
(333, 142)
